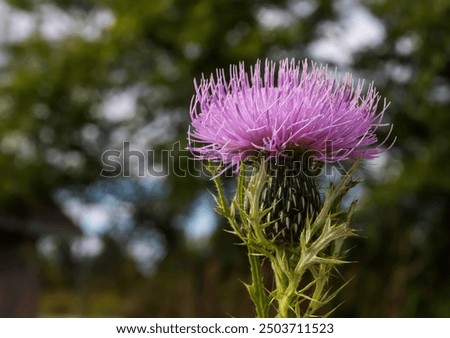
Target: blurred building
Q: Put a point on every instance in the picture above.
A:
(19, 282)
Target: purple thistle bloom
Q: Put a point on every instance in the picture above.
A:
(289, 108)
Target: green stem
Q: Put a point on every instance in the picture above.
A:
(256, 289)
(281, 285)
(286, 284)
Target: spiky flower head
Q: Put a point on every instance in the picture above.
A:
(293, 108)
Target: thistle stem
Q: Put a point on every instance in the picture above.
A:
(288, 275)
(284, 299)
(256, 289)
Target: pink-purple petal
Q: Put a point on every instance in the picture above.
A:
(289, 105)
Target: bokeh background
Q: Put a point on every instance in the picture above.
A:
(81, 77)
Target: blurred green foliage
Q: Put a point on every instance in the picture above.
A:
(54, 128)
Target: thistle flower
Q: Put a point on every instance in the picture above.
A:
(285, 122)
(290, 113)
(289, 108)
